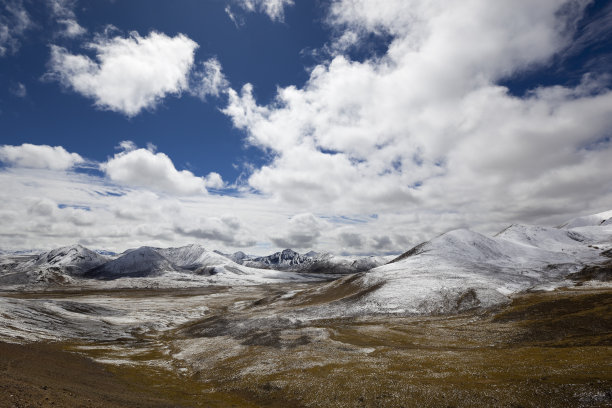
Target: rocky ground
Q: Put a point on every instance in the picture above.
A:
(259, 346)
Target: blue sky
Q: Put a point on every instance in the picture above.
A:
(196, 135)
(355, 126)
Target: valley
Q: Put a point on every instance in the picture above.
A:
(250, 347)
(522, 318)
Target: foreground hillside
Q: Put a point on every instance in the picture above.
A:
(545, 349)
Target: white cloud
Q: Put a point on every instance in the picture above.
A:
(426, 128)
(275, 9)
(39, 157)
(208, 80)
(214, 180)
(129, 74)
(369, 156)
(127, 145)
(72, 29)
(144, 168)
(14, 22)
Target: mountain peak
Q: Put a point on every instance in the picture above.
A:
(74, 259)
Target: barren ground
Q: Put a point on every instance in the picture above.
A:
(258, 347)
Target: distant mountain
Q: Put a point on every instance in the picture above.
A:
(192, 256)
(455, 271)
(58, 266)
(310, 262)
(284, 259)
(73, 260)
(141, 262)
(593, 220)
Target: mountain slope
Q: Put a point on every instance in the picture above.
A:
(462, 270)
(311, 262)
(589, 220)
(141, 262)
(73, 260)
(192, 256)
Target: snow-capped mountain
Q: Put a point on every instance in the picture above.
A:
(192, 256)
(238, 257)
(191, 265)
(462, 269)
(458, 270)
(73, 260)
(594, 220)
(310, 262)
(60, 265)
(144, 261)
(281, 260)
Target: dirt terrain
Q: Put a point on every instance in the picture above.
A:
(258, 348)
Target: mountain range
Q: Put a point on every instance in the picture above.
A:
(456, 271)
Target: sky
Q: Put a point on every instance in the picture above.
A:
(349, 126)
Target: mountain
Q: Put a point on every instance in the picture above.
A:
(140, 262)
(188, 266)
(310, 262)
(217, 268)
(589, 220)
(238, 257)
(192, 256)
(73, 260)
(58, 266)
(455, 271)
(284, 259)
(462, 270)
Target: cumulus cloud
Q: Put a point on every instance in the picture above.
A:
(388, 150)
(129, 74)
(426, 128)
(39, 157)
(214, 180)
(208, 80)
(275, 9)
(300, 232)
(145, 168)
(14, 22)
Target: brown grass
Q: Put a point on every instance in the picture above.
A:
(543, 350)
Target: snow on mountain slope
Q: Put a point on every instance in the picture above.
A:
(461, 270)
(144, 261)
(285, 259)
(238, 257)
(58, 266)
(589, 220)
(342, 265)
(192, 256)
(145, 267)
(311, 262)
(73, 260)
(552, 239)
